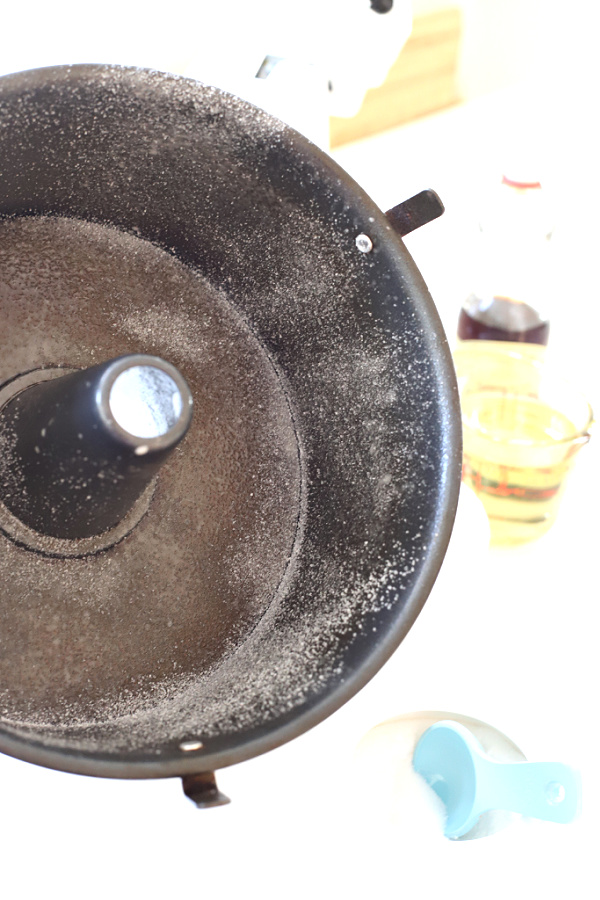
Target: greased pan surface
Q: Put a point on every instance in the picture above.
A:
(296, 532)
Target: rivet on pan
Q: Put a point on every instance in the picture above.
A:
(364, 243)
(187, 746)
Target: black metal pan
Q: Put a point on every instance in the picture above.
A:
(291, 539)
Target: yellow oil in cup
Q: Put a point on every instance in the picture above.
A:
(522, 427)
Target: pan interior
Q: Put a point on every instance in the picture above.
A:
(294, 535)
(87, 639)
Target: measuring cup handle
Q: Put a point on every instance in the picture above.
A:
(549, 791)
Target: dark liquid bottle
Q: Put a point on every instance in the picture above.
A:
(503, 319)
(512, 268)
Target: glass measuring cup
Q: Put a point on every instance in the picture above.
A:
(523, 425)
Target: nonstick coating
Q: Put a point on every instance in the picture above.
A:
(334, 445)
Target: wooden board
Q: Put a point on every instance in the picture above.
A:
(422, 80)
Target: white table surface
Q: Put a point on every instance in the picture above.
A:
(509, 637)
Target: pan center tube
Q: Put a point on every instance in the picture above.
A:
(145, 401)
(78, 451)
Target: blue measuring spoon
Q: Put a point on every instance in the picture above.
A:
(470, 783)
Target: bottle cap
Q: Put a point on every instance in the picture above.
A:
(520, 182)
